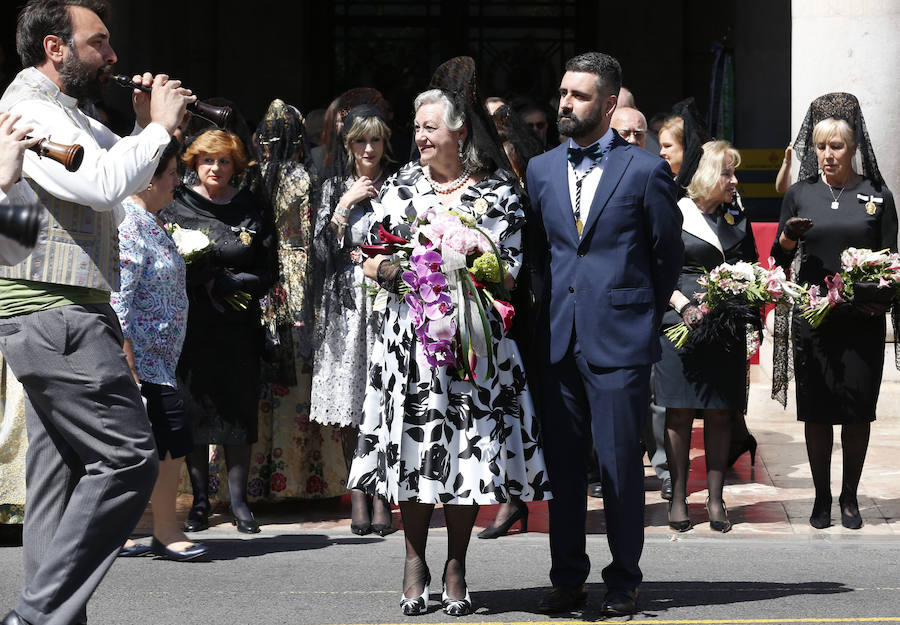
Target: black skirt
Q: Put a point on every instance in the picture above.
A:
(706, 377)
(838, 367)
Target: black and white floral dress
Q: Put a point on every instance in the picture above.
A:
(426, 435)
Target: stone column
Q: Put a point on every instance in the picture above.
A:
(851, 46)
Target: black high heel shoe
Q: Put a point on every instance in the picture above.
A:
(820, 518)
(852, 521)
(246, 526)
(719, 526)
(496, 531)
(198, 517)
(749, 444)
(679, 526)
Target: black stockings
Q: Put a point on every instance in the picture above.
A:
(855, 444)
(416, 519)
(237, 461)
(716, 440)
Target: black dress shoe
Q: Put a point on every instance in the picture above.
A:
(14, 619)
(619, 603)
(851, 519)
(596, 490)
(666, 490)
(190, 553)
(133, 551)
(246, 526)
(562, 599)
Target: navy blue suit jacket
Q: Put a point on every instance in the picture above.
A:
(613, 284)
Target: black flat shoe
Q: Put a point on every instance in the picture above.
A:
(679, 526)
(14, 619)
(595, 490)
(852, 521)
(383, 529)
(191, 553)
(619, 603)
(133, 551)
(820, 518)
(496, 531)
(563, 599)
(246, 526)
(719, 526)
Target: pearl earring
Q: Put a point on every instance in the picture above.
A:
(460, 142)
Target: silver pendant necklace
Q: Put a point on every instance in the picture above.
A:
(835, 204)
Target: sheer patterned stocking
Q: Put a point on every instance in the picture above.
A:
(460, 521)
(416, 518)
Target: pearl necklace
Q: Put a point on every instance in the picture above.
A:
(449, 187)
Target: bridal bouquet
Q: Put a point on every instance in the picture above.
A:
(452, 275)
(195, 244)
(734, 294)
(865, 276)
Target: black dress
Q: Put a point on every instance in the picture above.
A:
(218, 372)
(837, 366)
(707, 377)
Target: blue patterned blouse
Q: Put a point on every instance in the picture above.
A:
(152, 303)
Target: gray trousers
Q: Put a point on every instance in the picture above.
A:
(91, 461)
(655, 434)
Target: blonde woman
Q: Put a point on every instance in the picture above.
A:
(345, 325)
(708, 382)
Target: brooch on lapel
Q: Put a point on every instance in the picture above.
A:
(734, 209)
(480, 206)
(245, 235)
(870, 202)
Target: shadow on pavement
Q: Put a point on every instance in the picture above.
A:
(657, 597)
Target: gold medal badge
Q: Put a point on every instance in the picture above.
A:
(870, 207)
(245, 237)
(729, 219)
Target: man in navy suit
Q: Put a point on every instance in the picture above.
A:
(606, 230)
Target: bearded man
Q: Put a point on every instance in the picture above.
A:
(91, 460)
(605, 231)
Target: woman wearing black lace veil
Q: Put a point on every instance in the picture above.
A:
(294, 457)
(345, 322)
(427, 436)
(838, 366)
(681, 140)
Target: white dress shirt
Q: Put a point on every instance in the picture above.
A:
(112, 168)
(591, 181)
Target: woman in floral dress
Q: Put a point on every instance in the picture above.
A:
(427, 436)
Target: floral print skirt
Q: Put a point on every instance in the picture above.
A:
(428, 436)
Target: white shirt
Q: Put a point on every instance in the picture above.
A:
(20, 194)
(591, 181)
(113, 168)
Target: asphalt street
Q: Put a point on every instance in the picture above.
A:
(319, 578)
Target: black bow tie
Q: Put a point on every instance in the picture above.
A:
(576, 155)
